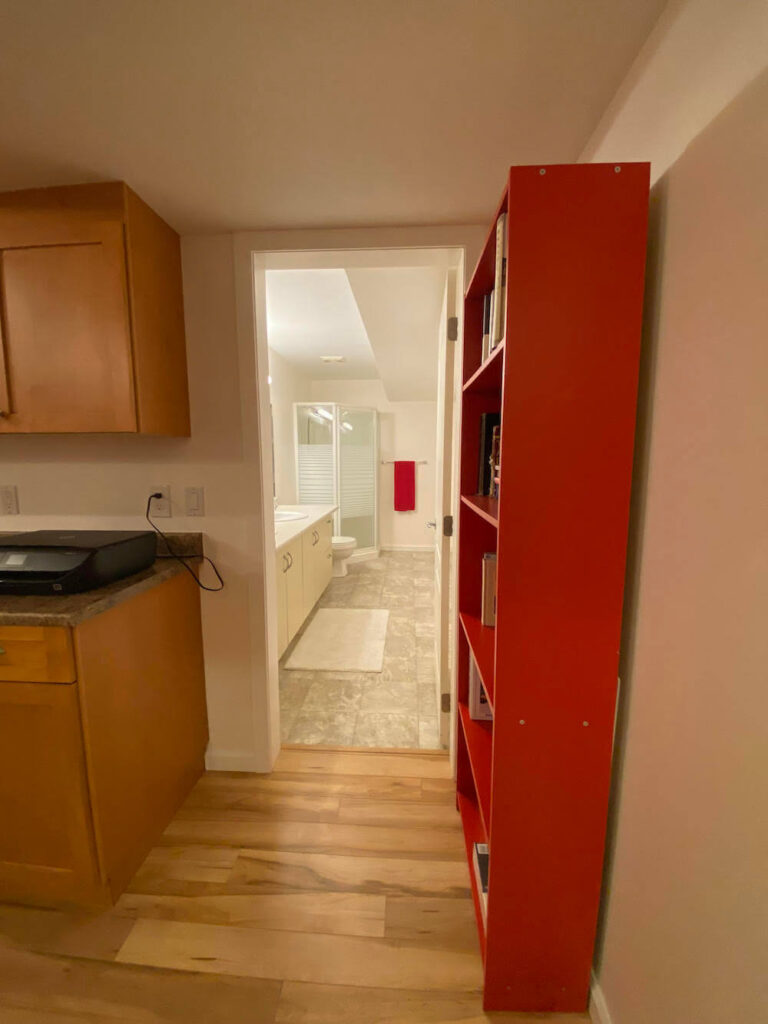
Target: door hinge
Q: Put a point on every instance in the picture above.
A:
(453, 328)
(445, 702)
(447, 526)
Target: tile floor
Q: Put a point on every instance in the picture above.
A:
(396, 707)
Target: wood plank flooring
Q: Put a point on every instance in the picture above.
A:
(334, 890)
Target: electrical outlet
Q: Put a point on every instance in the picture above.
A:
(9, 500)
(160, 508)
(194, 501)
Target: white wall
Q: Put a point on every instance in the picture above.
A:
(288, 385)
(407, 430)
(683, 922)
(700, 55)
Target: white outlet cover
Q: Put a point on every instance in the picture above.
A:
(161, 507)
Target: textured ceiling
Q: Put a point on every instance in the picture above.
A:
(287, 113)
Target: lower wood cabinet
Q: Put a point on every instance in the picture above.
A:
(304, 570)
(94, 767)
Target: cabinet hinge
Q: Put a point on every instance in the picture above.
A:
(453, 328)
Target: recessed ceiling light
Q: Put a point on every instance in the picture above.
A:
(333, 359)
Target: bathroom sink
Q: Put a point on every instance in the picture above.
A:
(288, 517)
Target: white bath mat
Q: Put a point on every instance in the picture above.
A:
(342, 640)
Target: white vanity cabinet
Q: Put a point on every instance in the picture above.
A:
(304, 568)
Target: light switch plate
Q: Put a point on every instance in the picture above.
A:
(9, 500)
(160, 508)
(194, 501)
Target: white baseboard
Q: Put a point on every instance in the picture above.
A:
(598, 1008)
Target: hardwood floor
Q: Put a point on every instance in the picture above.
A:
(333, 891)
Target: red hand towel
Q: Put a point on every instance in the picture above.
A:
(405, 486)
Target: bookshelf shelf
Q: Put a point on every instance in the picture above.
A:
(533, 782)
(473, 833)
(486, 507)
(482, 644)
(479, 737)
(487, 377)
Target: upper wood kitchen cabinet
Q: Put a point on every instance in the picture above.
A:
(91, 314)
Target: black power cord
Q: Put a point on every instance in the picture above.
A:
(178, 558)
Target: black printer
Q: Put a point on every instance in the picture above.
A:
(69, 561)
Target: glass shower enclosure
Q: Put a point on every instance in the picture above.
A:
(337, 454)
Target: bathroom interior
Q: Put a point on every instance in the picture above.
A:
(355, 450)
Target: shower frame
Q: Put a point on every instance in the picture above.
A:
(336, 407)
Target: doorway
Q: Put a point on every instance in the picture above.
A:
(323, 389)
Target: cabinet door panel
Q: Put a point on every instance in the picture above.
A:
(294, 587)
(309, 554)
(47, 853)
(66, 336)
(282, 610)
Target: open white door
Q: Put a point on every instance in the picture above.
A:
(445, 510)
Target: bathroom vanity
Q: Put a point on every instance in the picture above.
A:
(304, 564)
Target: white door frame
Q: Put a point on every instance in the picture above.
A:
(251, 252)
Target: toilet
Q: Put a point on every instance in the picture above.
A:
(341, 548)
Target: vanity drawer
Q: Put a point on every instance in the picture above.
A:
(36, 654)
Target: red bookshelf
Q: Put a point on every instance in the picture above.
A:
(486, 507)
(533, 783)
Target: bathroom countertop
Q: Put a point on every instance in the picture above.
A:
(286, 532)
(72, 609)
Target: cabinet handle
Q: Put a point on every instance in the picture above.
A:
(2, 650)
(289, 556)
(285, 563)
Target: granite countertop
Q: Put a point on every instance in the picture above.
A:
(72, 609)
(286, 532)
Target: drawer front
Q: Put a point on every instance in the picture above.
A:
(36, 654)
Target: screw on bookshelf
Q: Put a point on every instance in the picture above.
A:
(585, 723)
(542, 170)
(522, 721)
(617, 170)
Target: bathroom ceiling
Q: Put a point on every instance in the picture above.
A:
(383, 321)
(312, 313)
(307, 113)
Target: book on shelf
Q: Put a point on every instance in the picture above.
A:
(486, 350)
(480, 862)
(494, 460)
(499, 282)
(488, 595)
(478, 705)
(488, 420)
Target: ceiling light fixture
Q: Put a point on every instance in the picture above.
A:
(324, 413)
(333, 359)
